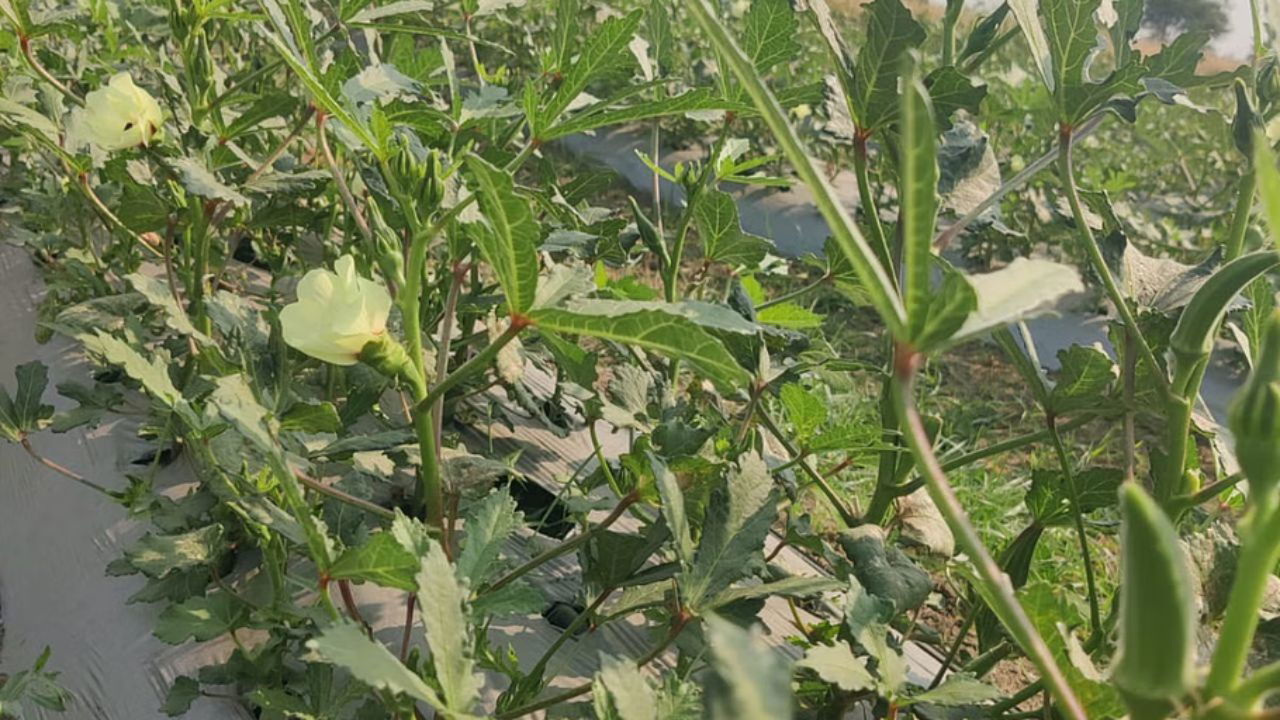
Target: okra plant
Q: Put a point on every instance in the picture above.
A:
(324, 249)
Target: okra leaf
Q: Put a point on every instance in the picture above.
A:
(769, 33)
(381, 560)
(23, 413)
(838, 665)
(723, 239)
(510, 240)
(737, 521)
(891, 32)
(671, 335)
(369, 661)
(1084, 381)
(443, 603)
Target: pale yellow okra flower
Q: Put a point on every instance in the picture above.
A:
(119, 115)
(337, 314)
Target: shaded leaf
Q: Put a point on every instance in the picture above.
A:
(23, 413)
(837, 665)
(805, 411)
(201, 618)
(1084, 382)
(748, 680)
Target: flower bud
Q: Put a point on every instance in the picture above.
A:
(337, 314)
(1255, 414)
(386, 356)
(118, 116)
(411, 171)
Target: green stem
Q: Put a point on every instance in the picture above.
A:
(1182, 503)
(671, 282)
(430, 486)
(565, 547)
(1099, 263)
(949, 19)
(1260, 549)
(1013, 443)
(1086, 559)
(348, 199)
(846, 515)
(867, 205)
(44, 73)
(340, 496)
(1262, 681)
(446, 340)
(676, 628)
(1169, 473)
(800, 292)
(1017, 698)
(569, 632)
(63, 471)
(994, 582)
(478, 363)
(1240, 217)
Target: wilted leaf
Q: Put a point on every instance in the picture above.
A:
(885, 571)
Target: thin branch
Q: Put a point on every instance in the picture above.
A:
(567, 546)
(849, 517)
(347, 198)
(343, 497)
(44, 73)
(62, 470)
